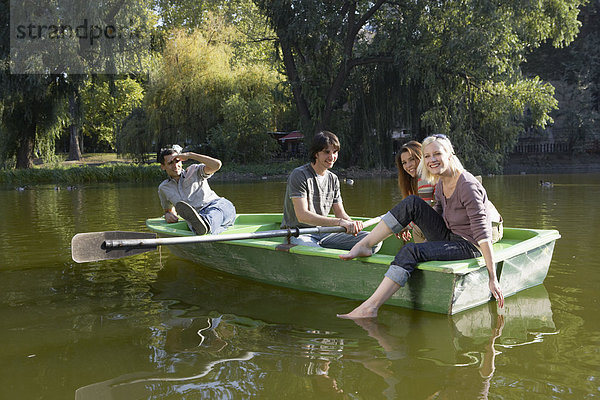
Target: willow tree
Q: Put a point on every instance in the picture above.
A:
(54, 47)
(455, 66)
(33, 107)
(106, 102)
(186, 89)
(199, 96)
(466, 61)
(32, 117)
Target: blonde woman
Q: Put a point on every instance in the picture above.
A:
(458, 226)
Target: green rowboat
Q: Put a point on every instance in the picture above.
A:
(522, 260)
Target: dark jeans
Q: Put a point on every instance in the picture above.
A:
(441, 244)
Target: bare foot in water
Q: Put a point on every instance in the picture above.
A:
(357, 251)
(362, 311)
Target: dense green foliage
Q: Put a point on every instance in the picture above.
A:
(106, 104)
(575, 73)
(454, 67)
(32, 107)
(198, 96)
(224, 73)
(43, 80)
(33, 113)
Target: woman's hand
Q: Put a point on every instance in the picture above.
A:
(488, 256)
(404, 235)
(496, 291)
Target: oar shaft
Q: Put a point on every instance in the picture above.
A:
(149, 243)
(221, 238)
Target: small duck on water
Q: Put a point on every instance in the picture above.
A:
(546, 184)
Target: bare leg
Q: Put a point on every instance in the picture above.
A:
(369, 308)
(363, 248)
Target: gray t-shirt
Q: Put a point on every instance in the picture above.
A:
(192, 188)
(320, 193)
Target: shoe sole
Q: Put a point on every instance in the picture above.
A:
(190, 214)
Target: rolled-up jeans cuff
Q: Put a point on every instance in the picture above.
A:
(397, 274)
(392, 222)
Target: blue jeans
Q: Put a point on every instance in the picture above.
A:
(219, 213)
(441, 244)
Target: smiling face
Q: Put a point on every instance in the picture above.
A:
(436, 158)
(409, 163)
(172, 166)
(325, 159)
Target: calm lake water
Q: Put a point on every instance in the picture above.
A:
(128, 329)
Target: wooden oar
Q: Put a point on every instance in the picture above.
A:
(97, 246)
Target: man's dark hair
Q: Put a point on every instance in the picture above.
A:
(320, 142)
(164, 153)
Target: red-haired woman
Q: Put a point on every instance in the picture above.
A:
(407, 161)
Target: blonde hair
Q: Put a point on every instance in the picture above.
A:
(454, 164)
(408, 185)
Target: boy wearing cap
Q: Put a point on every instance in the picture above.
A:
(186, 192)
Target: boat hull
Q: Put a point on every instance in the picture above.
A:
(523, 259)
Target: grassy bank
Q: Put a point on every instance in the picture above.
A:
(78, 174)
(94, 168)
(109, 168)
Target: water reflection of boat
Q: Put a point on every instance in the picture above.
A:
(466, 346)
(478, 336)
(460, 344)
(527, 315)
(181, 282)
(527, 318)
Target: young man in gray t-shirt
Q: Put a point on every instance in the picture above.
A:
(312, 192)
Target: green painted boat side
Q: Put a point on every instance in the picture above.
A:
(522, 260)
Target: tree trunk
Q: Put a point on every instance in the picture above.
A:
(74, 150)
(26, 148)
(295, 81)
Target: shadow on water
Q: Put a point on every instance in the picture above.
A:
(223, 337)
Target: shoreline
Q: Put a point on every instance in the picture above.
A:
(544, 163)
(121, 170)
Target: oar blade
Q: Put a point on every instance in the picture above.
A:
(89, 246)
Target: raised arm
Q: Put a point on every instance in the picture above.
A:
(211, 165)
